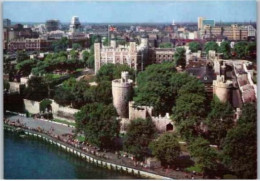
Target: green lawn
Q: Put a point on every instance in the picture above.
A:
(194, 168)
(81, 138)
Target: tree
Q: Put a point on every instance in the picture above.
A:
(194, 46)
(154, 87)
(219, 120)
(90, 61)
(6, 85)
(179, 57)
(85, 55)
(166, 148)
(73, 54)
(60, 45)
(76, 46)
(165, 45)
(140, 133)
(109, 72)
(26, 66)
(225, 49)
(63, 96)
(240, 49)
(99, 123)
(251, 50)
(204, 156)
(211, 46)
(37, 89)
(188, 106)
(45, 104)
(78, 91)
(187, 113)
(50, 80)
(240, 145)
(102, 92)
(21, 56)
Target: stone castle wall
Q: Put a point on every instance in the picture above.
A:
(58, 111)
(145, 112)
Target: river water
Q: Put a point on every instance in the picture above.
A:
(28, 158)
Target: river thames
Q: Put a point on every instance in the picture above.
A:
(28, 158)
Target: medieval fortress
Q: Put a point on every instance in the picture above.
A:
(232, 81)
(131, 55)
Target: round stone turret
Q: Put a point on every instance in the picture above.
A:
(122, 92)
(222, 88)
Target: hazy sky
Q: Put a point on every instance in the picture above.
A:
(118, 11)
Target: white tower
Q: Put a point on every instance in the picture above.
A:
(75, 25)
(122, 92)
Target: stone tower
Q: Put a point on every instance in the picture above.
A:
(222, 89)
(144, 41)
(122, 92)
(132, 53)
(97, 52)
(113, 41)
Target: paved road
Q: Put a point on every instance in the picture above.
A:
(35, 123)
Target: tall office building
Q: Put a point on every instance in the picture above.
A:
(52, 25)
(6, 23)
(200, 23)
(75, 25)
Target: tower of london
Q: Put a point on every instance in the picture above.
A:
(135, 56)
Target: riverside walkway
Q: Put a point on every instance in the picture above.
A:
(60, 130)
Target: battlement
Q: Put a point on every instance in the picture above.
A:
(221, 83)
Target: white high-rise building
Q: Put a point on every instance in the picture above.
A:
(75, 25)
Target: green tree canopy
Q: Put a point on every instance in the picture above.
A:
(109, 72)
(165, 45)
(26, 66)
(240, 49)
(225, 49)
(154, 87)
(60, 45)
(194, 46)
(99, 123)
(211, 46)
(219, 120)
(204, 156)
(90, 63)
(179, 57)
(21, 56)
(166, 148)
(140, 133)
(37, 89)
(251, 50)
(240, 145)
(6, 85)
(76, 46)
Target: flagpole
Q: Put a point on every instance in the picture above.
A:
(108, 35)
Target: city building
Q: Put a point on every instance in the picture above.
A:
(6, 23)
(202, 22)
(233, 32)
(52, 25)
(29, 44)
(75, 25)
(18, 31)
(136, 56)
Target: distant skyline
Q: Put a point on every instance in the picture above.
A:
(130, 12)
